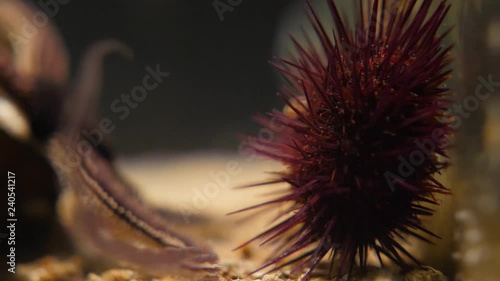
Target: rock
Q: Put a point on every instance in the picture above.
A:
(428, 274)
(51, 269)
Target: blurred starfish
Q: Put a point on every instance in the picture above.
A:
(96, 206)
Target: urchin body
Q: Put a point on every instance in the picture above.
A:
(359, 105)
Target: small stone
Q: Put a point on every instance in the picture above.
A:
(50, 269)
(272, 277)
(427, 274)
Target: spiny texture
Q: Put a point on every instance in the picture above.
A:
(362, 137)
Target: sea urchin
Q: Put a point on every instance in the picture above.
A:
(362, 137)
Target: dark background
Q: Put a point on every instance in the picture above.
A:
(220, 74)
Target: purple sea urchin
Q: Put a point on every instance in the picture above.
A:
(361, 106)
